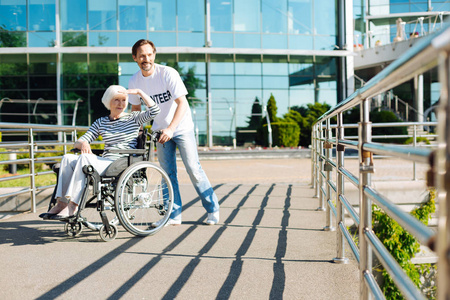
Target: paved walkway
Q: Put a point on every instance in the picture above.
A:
(269, 244)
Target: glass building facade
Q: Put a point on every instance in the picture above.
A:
(228, 52)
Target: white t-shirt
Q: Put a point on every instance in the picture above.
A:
(163, 86)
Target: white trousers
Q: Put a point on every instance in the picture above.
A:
(71, 180)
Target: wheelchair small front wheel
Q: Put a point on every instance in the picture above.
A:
(73, 229)
(110, 235)
(144, 198)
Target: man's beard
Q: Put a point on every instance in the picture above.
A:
(147, 68)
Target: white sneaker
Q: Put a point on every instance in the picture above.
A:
(169, 222)
(213, 218)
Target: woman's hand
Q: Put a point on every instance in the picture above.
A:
(147, 100)
(84, 147)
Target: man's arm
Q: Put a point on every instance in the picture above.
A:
(183, 106)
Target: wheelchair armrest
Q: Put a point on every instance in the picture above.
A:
(128, 151)
(94, 151)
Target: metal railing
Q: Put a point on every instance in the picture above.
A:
(27, 143)
(432, 51)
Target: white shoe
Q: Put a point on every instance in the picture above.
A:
(213, 218)
(169, 222)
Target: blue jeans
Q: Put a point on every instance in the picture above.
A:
(188, 151)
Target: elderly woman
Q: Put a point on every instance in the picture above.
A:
(119, 131)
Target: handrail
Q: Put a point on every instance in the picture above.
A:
(432, 51)
(423, 56)
(31, 144)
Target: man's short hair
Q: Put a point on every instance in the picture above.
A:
(140, 43)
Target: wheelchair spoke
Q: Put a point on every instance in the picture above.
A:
(144, 197)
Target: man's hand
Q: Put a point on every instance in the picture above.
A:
(166, 135)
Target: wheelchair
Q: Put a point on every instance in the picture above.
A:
(134, 193)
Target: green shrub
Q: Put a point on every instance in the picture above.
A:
(402, 245)
(284, 134)
(419, 139)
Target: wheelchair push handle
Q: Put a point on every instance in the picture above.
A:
(155, 135)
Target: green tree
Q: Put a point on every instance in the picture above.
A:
(272, 109)
(12, 39)
(254, 121)
(309, 115)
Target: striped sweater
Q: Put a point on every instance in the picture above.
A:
(121, 133)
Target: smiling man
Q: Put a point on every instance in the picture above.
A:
(164, 85)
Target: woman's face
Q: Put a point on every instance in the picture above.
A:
(119, 103)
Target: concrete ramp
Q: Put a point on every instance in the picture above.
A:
(269, 244)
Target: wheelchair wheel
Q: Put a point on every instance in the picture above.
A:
(108, 236)
(144, 198)
(73, 229)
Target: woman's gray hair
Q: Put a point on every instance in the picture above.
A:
(111, 92)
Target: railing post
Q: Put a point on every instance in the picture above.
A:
(328, 168)
(442, 167)
(340, 243)
(414, 145)
(320, 160)
(365, 203)
(316, 161)
(313, 160)
(32, 171)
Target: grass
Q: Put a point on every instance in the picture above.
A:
(41, 180)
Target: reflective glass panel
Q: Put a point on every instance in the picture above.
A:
(274, 16)
(275, 65)
(41, 15)
(165, 59)
(248, 82)
(247, 40)
(301, 97)
(74, 64)
(74, 39)
(42, 64)
(73, 14)
(222, 64)
(194, 63)
(303, 42)
(274, 41)
(161, 15)
(325, 17)
(222, 82)
(102, 15)
(128, 38)
(221, 15)
(247, 16)
(163, 39)
(191, 15)
(13, 15)
(13, 64)
(324, 42)
(103, 63)
(13, 39)
(102, 39)
(41, 39)
(275, 82)
(132, 15)
(222, 40)
(300, 16)
(191, 39)
(248, 65)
